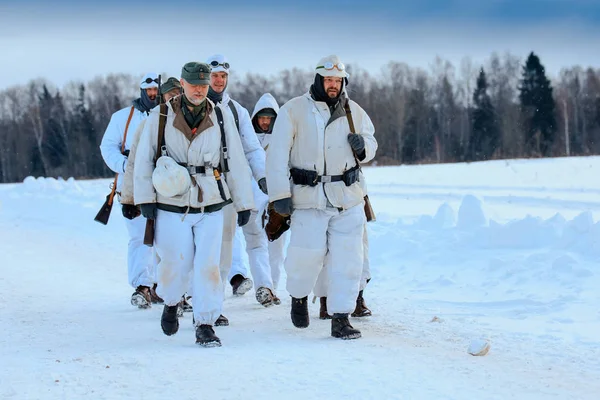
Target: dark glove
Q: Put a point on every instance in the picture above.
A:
(276, 225)
(148, 210)
(243, 217)
(356, 142)
(283, 206)
(126, 153)
(262, 184)
(130, 211)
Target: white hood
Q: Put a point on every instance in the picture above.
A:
(266, 101)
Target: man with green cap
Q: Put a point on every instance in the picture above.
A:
(188, 212)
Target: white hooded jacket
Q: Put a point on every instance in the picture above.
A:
(304, 137)
(266, 101)
(194, 150)
(110, 147)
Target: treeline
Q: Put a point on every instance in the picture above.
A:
(506, 108)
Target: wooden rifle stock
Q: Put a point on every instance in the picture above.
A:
(104, 212)
(149, 233)
(106, 208)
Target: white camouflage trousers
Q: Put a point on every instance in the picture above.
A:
(277, 257)
(190, 249)
(256, 245)
(320, 289)
(337, 234)
(141, 264)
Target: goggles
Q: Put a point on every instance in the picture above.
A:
(150, 80)
(329, 66)
(215, 63)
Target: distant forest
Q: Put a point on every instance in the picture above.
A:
(507, 108)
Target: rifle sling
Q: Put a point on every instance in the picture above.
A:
(223, 139)
(236, 117)
(114, 186)
(351, 125)
(162, 121)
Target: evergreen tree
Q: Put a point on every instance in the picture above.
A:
(52, 114)
(537, 108)
(485, 134)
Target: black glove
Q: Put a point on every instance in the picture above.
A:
(126, 153)
(356, 142)
(243, 217)
(148, 210)
(283, 206)
(262, 184)
(130, 211)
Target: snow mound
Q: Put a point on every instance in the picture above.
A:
(470, 213)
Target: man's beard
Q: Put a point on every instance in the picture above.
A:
(195, 101)
(332, 93)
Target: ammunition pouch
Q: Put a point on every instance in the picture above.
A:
(311, 178)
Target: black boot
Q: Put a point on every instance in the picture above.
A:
(205, 336)
(299, 312)
(169, 322)
(361, 309)
(222, 321)
(323, 310)
(341, 328)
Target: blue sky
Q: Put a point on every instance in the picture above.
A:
(64, 41)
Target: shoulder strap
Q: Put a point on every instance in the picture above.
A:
(235, 114)
(223, 139)
(162, 121)
(351, 125)
(126, 129)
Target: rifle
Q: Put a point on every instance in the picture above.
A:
(369, 213)
(149, 231)
(106, 208)
(104, 212)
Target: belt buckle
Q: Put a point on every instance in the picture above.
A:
(326, 178)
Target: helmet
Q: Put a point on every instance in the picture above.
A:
(169, 178)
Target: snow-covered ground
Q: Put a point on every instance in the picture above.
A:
(505, 251)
